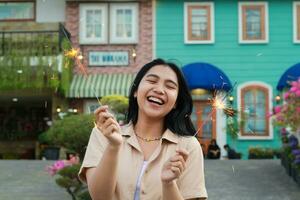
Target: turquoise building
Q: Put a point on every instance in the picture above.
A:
(251, 42)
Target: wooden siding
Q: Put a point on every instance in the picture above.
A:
(241, 62)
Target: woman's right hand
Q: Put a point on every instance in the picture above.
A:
(108, 126)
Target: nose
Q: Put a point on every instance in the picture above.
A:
(159, 90)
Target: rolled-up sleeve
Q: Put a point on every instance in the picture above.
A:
(192, 182)
(94, 152)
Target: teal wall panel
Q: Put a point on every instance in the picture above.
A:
(241, 62)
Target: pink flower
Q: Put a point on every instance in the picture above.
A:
(298, 93)
(286, 95)
(270, 114)
(293, 89)
(298, 109)
(73, 160)
(53, 169)
(277, 109)
(294, 84)
(60, 164)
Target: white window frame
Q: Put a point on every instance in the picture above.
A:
(82, 24)
(135, 12)
(239, 102)
(295, 22)
(240, 25)
(212, 23)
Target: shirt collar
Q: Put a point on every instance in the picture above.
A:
(167, 135)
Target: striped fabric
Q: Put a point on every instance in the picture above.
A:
(98, 85)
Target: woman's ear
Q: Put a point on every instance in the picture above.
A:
(135, 95)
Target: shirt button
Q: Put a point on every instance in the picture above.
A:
(146, 172)
(143, 192)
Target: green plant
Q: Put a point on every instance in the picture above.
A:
(117, 103)
(66, 172)
(234, 125)
(288, 115)
(68, 179)
(72, 132)
(32, 63)
(261, 153)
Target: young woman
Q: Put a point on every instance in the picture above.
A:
(153, 157)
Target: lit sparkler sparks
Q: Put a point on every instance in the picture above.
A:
(218, 102)
(78, 58)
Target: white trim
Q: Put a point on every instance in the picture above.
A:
(221, 131)
(82, 25)
(153, 29)
(240, 21)
(295, 25)
(135, 27)
(239, 104)
(212, 21)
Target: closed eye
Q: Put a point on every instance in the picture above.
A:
(171, 87)
(151, 81)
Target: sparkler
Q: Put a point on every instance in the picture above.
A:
(77, 56)
(218, 102)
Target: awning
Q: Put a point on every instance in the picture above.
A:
(206, 76)
(291, 74)
(98, 85)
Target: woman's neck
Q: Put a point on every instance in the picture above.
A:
(149, 127)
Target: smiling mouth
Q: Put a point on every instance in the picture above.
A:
(155, 100)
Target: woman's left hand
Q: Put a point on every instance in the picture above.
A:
(174, 167)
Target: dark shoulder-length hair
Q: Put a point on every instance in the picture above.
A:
(178, 119)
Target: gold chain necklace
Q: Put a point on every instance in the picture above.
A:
(148, 140)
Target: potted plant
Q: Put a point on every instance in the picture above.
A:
(65, 172)
(296, 166)
(288, 114)
(260, 153)
(71, 132)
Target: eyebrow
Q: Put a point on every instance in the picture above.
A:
(156, 76)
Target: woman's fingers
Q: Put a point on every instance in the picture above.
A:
(184, 153)
(180, 165)
(176, 171)
(103, 116)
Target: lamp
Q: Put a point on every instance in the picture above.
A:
(199, 91)
(58, 109)
(133, 54)
(277, 98)
(231, 98)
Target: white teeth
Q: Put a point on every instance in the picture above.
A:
(156, 100)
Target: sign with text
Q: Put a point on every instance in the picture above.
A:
(108, 58)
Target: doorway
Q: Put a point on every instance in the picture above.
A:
(204, 120)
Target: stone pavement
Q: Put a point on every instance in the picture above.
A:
(249, 180)
(225, 180)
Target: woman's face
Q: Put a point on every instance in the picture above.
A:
(157, 92)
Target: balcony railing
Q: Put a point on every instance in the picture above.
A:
(33, 43)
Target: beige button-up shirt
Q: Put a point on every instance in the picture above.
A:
(191, 182)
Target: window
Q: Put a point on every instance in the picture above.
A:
(253, 22)
(122, 25)
(93, 22)
(254, 103)
(296, 13)
(17, 11)
(199, 23)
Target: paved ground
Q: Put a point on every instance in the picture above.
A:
(249, 180)
(225, 180)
